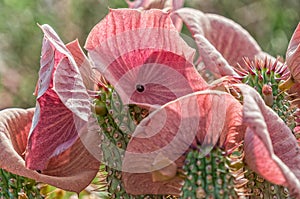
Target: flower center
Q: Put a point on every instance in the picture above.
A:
(140, 88)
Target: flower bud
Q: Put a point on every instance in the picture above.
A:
(267, 94)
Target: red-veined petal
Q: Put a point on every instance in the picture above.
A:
(212, 59)
(160, 4)
(62, 107)
(72, 170)
(203, 118)
(271, 149)
(293, 55)
(133, 48)
(83, 63)
(228, 37)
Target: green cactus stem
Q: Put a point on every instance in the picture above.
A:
(117, 123)
(266, 78)
(207, 177)
(13, 186)
(258, 187)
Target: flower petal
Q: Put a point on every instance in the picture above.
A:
(212, 59)
(149, 4)
(271, 149)
(293, 55)
(83, 63)
(73, 170)
(228, 37)
(62, 107)
(205, 117)
(142, 49)
(159, 4)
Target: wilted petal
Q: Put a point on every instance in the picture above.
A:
(62, 107)
(271, 149)
(293, 55)
(228, 37)
(142, 49)
(73, 170)
(205, 117)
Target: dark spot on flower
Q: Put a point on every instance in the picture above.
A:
(140, 88)
(39, 171)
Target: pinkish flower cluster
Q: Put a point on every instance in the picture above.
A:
(140, 53)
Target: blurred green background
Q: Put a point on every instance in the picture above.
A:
(270, 22)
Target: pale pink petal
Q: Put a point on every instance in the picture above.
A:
(212, 59)
(156, 4)
(177, 4)
(228, 37)
(142, 183)
(293, 55)
(159, 4)
(149, 4)
(203, 118)
(83, 63)
(294, 93)
(66, 78)
(62, 107)
(271, 149)
(73, 170)
(137, 3)
(134, 48)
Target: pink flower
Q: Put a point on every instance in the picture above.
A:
(271, 149)
(62, 116)
(53, 146)
(292, 62)
(142, 49)
(160, 142)
(71, 170)
(222, 38)
(154, 151)
(141, 54)
(292, 55)
(62, 108)
(166, 5)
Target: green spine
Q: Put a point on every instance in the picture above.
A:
(207, 177)
(14, 186)
(260, 75)
(117, 124)
(260, 188)
(263, 76)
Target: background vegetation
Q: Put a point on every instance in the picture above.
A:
(270, 22)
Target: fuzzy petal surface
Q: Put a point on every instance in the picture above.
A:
(159, 4)
(271, 149)
(293, 55)
(62, 108)
(133, 48)
(149, 4)
(83, 63)
(228, 37)
(212, 58)
(205, 117)
(72, 170)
